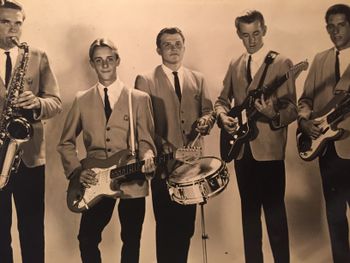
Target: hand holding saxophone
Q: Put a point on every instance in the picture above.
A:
(27, 100)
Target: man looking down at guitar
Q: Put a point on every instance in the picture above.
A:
(327, 80)
(259, 165)
(102, 114)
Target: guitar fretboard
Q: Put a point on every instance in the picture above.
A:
(132, 168)
(339, 112)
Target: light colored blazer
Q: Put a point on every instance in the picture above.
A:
(40, 79)
(174, 121)
(319, 89)
(269, 144)
(102, 139)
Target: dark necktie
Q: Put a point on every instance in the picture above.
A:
(8, 68)
(177, 85)
(249, 73)
(337, 67)
(108, 109)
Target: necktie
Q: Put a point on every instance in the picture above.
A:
(108, 109)
(177, 85)
(337, 69)
(249, 72)
(8, 68)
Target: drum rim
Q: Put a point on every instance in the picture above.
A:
(222, 166)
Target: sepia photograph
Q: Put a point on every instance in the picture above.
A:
(187, 131)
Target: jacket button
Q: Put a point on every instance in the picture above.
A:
(182, 121)
(109, 150)
(108, 128)
(108, 140)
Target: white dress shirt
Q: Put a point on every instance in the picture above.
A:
(113, 92)
(13, 54)
(257, 60)
(169, 73)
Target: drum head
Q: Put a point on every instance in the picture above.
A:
(203, 167)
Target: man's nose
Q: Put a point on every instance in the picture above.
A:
(105, 64)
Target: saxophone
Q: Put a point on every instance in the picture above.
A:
(14, 128)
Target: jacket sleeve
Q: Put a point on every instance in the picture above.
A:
(145, 127)
(223, 102)
(285, 97)
(67, 145)
(305, 102)
(49, 95)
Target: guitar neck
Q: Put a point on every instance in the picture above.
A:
(269, 90)
(132, 168)
(338, 114)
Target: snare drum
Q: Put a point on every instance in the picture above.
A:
(196, 182)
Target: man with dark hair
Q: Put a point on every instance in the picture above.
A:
(259, 166)
(103, 114)
(328, 79)
(182, 109)
(40, 100)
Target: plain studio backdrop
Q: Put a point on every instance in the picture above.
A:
(65, 30)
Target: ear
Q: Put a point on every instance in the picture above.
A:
(264, 30)
(159, 51)
(118, 61)
(92, 64)
(239, 33)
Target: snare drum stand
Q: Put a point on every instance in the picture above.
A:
(204, 235)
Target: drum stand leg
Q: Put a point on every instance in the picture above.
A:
(204, 235)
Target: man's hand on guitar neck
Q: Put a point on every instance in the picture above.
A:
(311, 128)
(265, 107)
(149, 166)
(230, 124)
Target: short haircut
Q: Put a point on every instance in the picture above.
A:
(169, 30)
(338, 9)
(248, 17)
(12, 4)
(102, 42)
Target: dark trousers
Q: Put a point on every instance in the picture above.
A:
(131, 215)
(27, 187)
(262, 185)
(336, 190)
(174, 225)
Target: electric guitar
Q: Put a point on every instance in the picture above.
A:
(246, 113)
(309, 148)
(113, 171)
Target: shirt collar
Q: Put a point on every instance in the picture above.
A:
(258, 56)
(169, 72)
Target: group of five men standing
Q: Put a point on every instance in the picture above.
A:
(175, 110)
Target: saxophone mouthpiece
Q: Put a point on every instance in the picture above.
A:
(14, 40)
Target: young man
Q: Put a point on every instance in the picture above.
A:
(182, 109)
(40, 100)
(101, 113)
(259, 166)
(328, 77)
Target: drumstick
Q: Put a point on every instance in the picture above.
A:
(195, 140)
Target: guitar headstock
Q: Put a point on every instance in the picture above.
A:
(187, 154)
(298, 68)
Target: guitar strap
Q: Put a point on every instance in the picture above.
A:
(270, 57)
(131, 120)
(343, 84)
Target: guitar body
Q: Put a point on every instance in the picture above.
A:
(230, 144)
(309, 149)
(80, 198)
